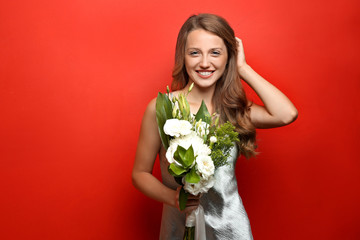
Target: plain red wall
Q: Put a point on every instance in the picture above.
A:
(76, 76)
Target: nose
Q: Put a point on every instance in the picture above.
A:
(204, 62)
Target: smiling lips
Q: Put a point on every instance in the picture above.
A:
(205, 73)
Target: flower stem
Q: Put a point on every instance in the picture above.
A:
(189, 233)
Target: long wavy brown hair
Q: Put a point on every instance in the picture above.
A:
(229, 99)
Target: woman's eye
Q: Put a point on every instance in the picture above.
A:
(194, 53)
(216, 53)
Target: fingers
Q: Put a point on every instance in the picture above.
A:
(194, 197)
(193, 200)
(239, 42)
(191, 204)
(240, 55)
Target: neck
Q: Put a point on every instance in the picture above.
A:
(198, 94)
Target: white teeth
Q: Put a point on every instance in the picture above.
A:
(205, 73)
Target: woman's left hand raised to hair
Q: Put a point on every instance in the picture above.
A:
(278, 110)
(240, 54)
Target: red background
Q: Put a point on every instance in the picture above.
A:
(76, 76)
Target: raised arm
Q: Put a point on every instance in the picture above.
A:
(278, 110)
(148, 147)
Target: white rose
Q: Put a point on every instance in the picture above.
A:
(206, 184)
(213, 139)
(186, 141)
(205, 166)
(176, 127)
(192, 188)
(201, 187)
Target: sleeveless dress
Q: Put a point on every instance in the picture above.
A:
(225, 216)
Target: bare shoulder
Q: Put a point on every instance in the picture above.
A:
(150, 113)
(149, 142)
(149, 134)
(151, 107)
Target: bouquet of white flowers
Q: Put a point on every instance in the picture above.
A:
(196, 145)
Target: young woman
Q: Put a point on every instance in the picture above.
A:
(209, 55)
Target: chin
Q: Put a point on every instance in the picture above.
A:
(202, 83)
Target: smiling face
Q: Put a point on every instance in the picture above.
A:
(205, 58)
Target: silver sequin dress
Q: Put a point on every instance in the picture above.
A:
(225, 216)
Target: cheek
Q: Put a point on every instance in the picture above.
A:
(222, 63)
(189, 61)
(189, 65)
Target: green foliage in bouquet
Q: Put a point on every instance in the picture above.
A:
(203, 114)
(186, 158)
(183, 197)
(163, 112)
(220, 150)
(184, 108)
(185, 168)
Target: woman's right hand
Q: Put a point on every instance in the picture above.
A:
(191, 204)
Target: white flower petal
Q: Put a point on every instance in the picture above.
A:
(201, 187)
(205, 166)
(175, 127)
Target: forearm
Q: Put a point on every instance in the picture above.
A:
(153, 188)
(275, 102)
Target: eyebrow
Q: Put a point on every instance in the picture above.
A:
(190, 48)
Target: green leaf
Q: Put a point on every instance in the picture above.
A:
(176, 170)
(183, 197)
(203, 113)
(189, 156)
(192, 176)
(178, 154)
(163, 113)
(184, 156)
